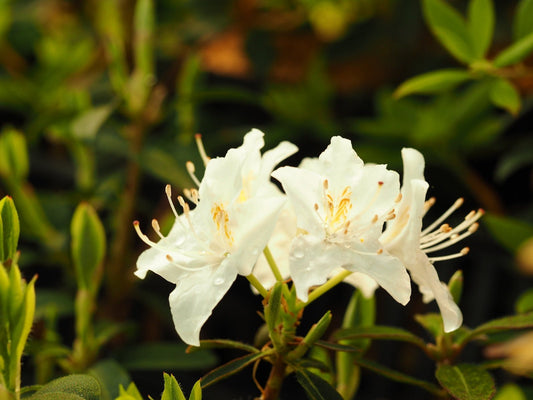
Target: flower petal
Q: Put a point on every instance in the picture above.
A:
(194, 298)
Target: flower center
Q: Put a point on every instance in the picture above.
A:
(337, 208)
(221, 220)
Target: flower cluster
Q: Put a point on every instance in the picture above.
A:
(338, 219)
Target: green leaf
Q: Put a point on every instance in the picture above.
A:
(432, 82)
(86, 126)
(524, 303)
(111, 376)
(172, 389)
(450, 28)
(315, 387)
(170, 356)
(87, 245)
(515, 52)
(222, 344)
(455, 285)
(9, 229)
(13, 155)
(522, 25)
(431, 322)
(56, 396)
(481, 25)
(231, 368)
(273, 306)
(398, 376)
(466, 381)
(131, 393)
(522, 321)
(196, 392)
(510, 391)
(378, 332)
(53, 301)
(83, 386)
(509, 232)
(503, 94)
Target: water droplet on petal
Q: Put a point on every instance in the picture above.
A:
(218, 281)
(298, 254)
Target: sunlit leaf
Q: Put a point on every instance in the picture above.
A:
(86, 126)
(466, 381)
(172, 389)
(9, 229)
(503, 94)
(433, 82)
(522, 25)
(515, 52)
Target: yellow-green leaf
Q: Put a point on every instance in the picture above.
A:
(515, 52)
(503, 94)
(9, 229)
(480, 25)
(13, 155)
(522, 24)
(172, 389)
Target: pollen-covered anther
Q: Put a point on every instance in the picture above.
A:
(398, 198)
(380, 251)
(141, 235)
(156, 227)
(325, 184)
(375, 219)
(390, 216)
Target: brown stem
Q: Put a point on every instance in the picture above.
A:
(275, 380)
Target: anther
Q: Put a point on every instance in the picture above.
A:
(157, 229)
(375, 219)
(191, 170)
(326, 184)
(398, 198)
(379, 251)
(380, 183)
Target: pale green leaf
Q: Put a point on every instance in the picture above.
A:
(433, 82)
(86, 126)
(466, 381)
(510, 391)
(196, 392)
(9, 229)
(172, 389)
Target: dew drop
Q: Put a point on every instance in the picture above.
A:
(218, 281)
(298, 254)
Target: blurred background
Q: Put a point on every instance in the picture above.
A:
(100, 102)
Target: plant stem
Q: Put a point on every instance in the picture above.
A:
(256, 284)
(275, 380)
(272, 264)
(315, 294)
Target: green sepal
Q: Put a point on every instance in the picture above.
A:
(172, 389)
(455, 285)
(87, 246)
(466, 381)
(9, 229)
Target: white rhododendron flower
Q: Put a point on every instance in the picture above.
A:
(340, 206)
(405, 239)
(219, 239)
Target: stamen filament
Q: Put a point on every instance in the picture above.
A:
(448, 212)
(201, 149)
(191, 169)
(157, 229)
(463, 252)
(453, 239)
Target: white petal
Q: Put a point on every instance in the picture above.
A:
(425, 275)
(413, 165)
(194, 298)
(363, 282)
(304, 189)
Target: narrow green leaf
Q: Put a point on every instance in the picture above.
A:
(431, 322)
(398, 376)
(509, 232)
(222, 344)
(9, 229)
(323, 367)
(315, 387)
(503, 94)
(433, 82)
(515, 52)
(522, 25)
(172, 389)
(196, 392)
(378, 332)
(481, 25)
(144, 22)
(84, 386)
(86, 126)
(466, 381)
(450, 29)
(525, 302)
(157, 356)
(522, 321)
(340, 347)
(510, 391)
(231, 368)
(87, 245)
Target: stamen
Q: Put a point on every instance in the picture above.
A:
(428, 204)
(157, 229)
(454, 239)
(379, 251)
(191, 169)
(201, 149)
(168, 191)
(398, 198)
(463, 252)
(469, 220)
(458, 203)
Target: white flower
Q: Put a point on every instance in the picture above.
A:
(341, 205)
(405, 239)
(221, 238)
